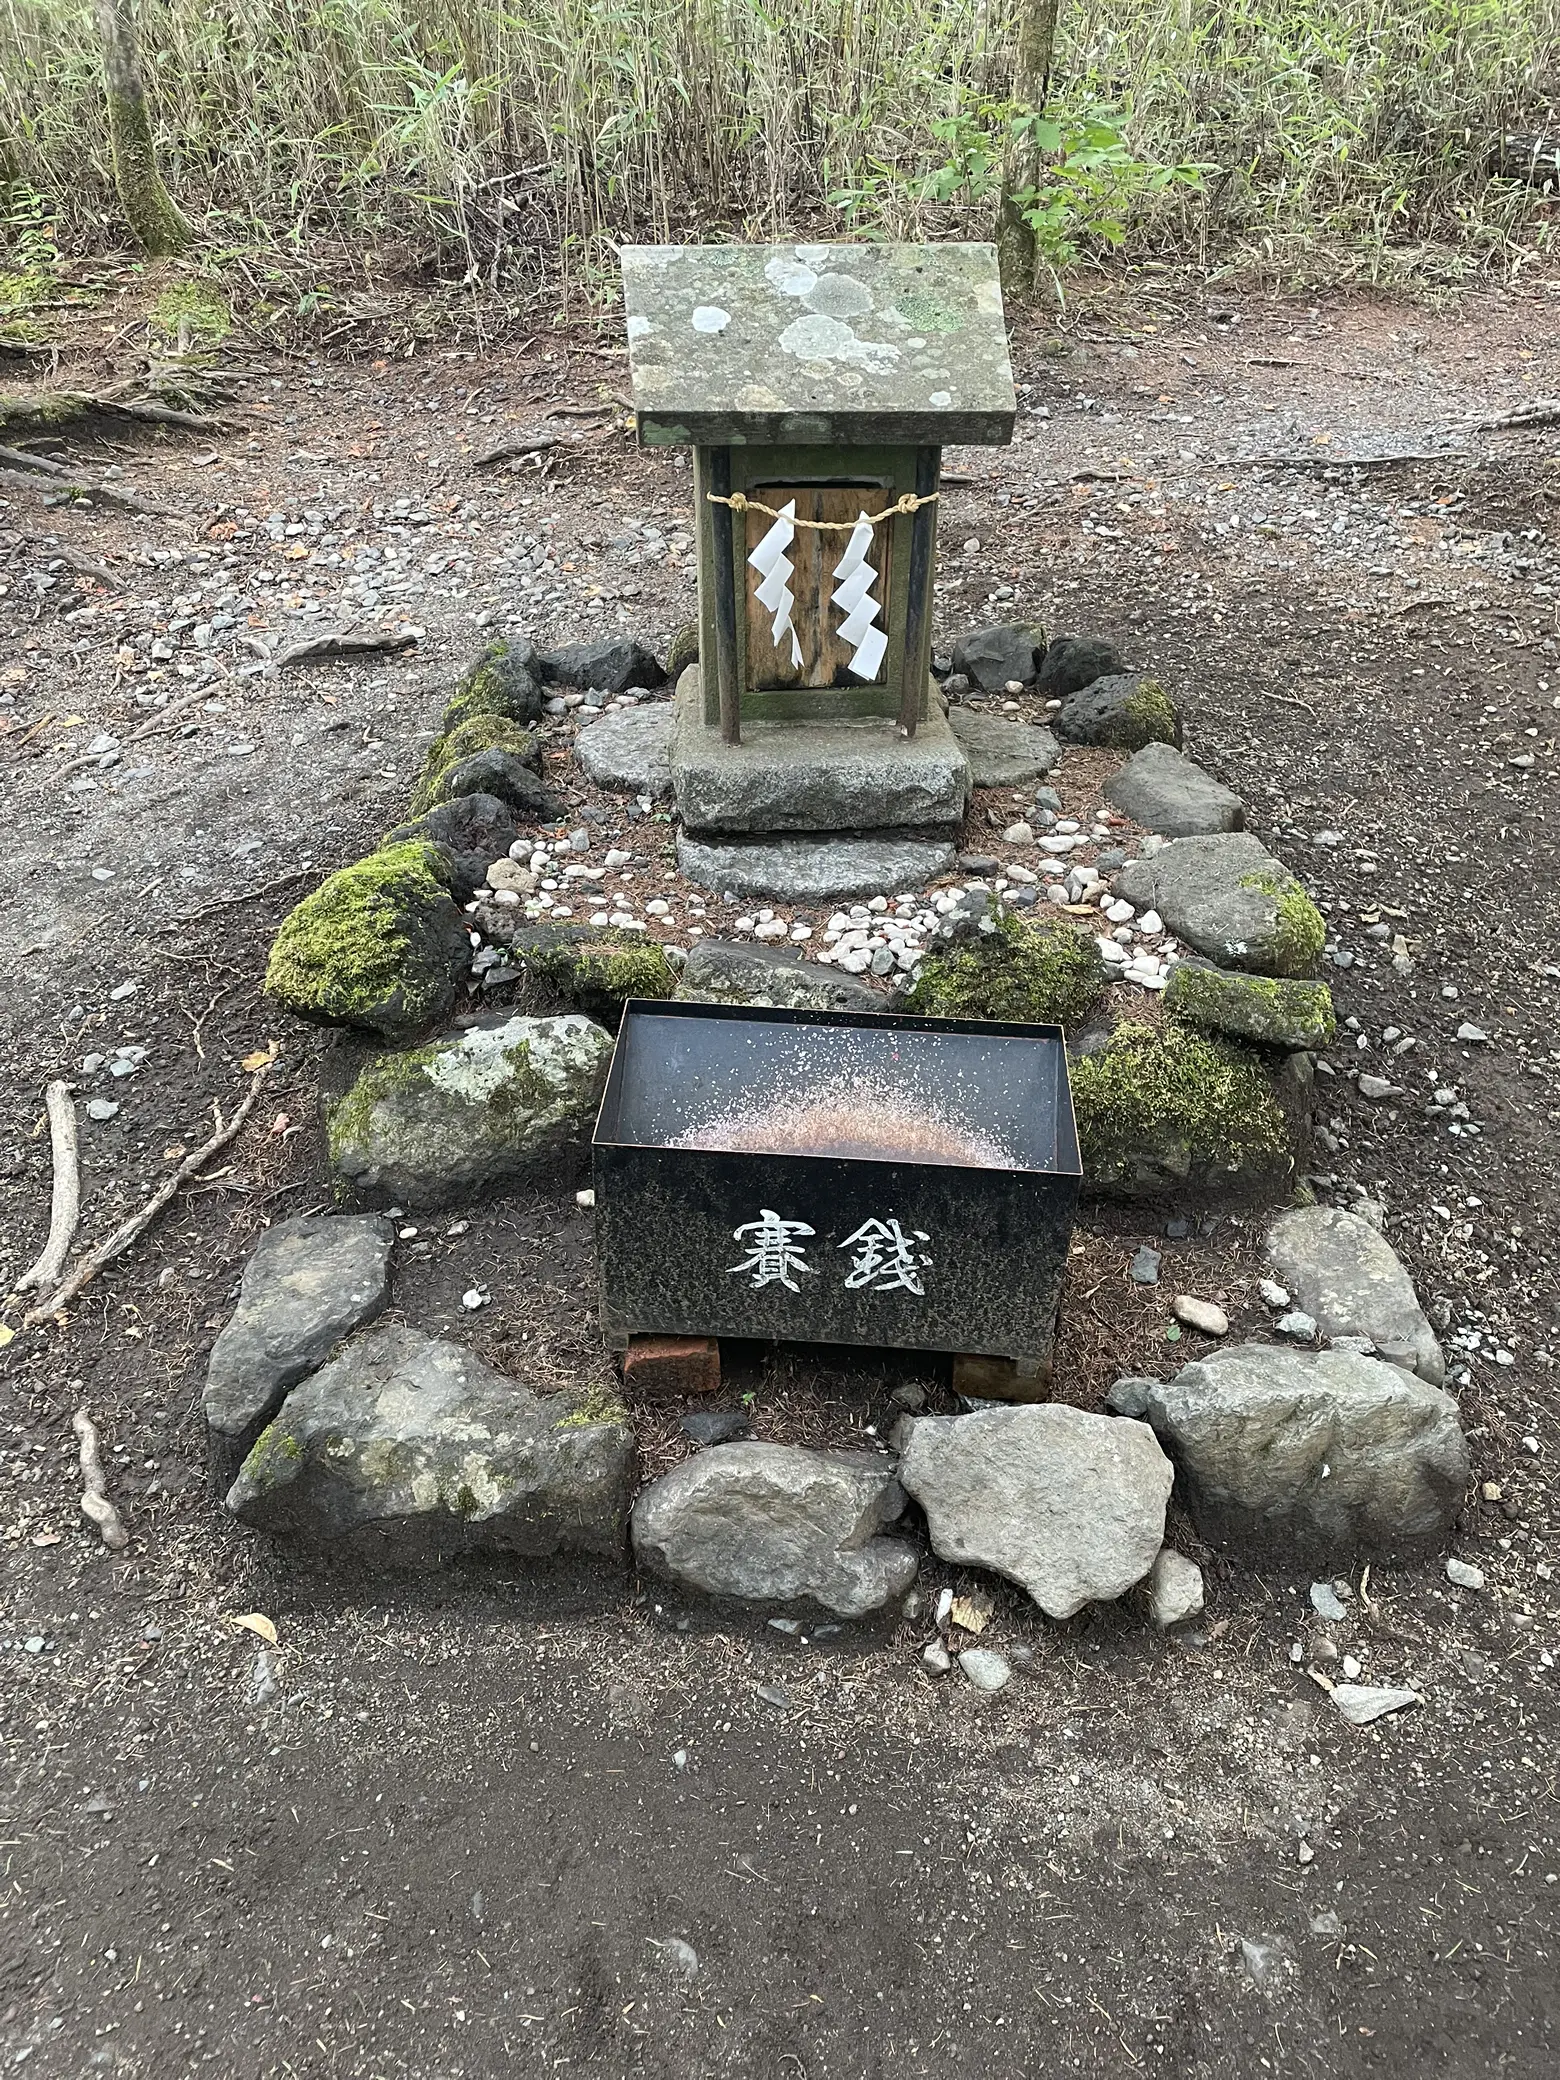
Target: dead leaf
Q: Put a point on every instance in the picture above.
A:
(298, 552)
(261, 1058)
(258, 1623)
(7, 1335)
(47, 1538)
(281, 1123)
(972, 1612)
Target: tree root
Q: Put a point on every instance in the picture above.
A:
(65, 1208)
(95, 1505)
(45, 411)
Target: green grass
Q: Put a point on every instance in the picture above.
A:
(1350, 137)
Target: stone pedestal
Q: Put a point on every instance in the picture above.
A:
(818, 810)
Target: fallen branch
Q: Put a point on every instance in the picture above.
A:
(344, 642)
(73, 487)
(95, 1505)
(1322, 460)
(1537, 411)
(521, 444)
(43, 411)
(136, 1224)
(65, 1206)
(248, 895)
(158, 725)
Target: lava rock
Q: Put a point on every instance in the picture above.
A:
(682, 651)
(1002, 752)
(379, 945)
(1069, 1505)
(707, 1426)
(1229, 898)
(471, 831)
(992, 658)
(1161, 789)
(1272, 1010)
(1311, 1455)
(308, 1283)
(629, 752)
(501, 679)
(1072, 662)
(720, 971)
(774, 1523)
(472, 1112)
(407, 1451)
(1348, 1277)
(614, 663)
(1125, 710)
(503, 776)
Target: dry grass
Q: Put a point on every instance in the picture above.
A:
(1346, 137)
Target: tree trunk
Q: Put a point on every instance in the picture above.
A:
(1017, 256)
(149, 209)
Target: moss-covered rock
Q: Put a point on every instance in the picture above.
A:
(1000, 967)
(1268, 1009)
(1228, 897)
(1164, 1107)
(468, 739)
(500, 680)
(408, 1451)
(594, 970)
(1124, 710)
(379, 945)
(469, 1113)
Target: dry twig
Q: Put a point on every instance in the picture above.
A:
(136, 1224)
(65, 1206)
(95, 1505)
(520, 444)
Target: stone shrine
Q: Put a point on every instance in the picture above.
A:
(817, 386)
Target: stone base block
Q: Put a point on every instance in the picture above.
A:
(815, 867)
(1003, 1379)
(846, 775)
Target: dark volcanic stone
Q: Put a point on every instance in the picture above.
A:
(500, 774)
(990, 657)
(471, 831)
(615, 664)
(1073, 662)
(716, 1425)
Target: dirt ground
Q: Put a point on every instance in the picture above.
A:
(462, 1827)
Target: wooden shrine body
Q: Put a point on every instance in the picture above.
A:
(822, 380)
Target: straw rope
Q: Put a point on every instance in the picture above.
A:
(739, 502)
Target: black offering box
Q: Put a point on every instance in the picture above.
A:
(835, 1177)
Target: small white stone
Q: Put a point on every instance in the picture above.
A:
(745, 924)
(1200, 1314)
(1050, 843)
(1273, 1293)
(877, 903)
(1151, 924)
(1110, 951)
(1018, 834)
(475, 1298)
(1175, 1589)
(658, 908)
(1119, 911)
(800, 932)
(617, 858)
(585, 1198)
(1462, 1574)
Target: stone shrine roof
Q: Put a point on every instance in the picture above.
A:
(818, 344)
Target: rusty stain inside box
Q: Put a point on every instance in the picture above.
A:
(833, 1177)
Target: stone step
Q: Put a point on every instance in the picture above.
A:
(815, 866)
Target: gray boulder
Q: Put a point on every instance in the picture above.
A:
(1070, 1505)
(720, 971)
(629, 752)
(1001, 752)
(1125, 710)
(614, 663)
(1073, 662)
(1342, 1272)
(1229, 898)
(472, 1112)
(774, 1523)
(992, 658)
(471, 832)
(409, 1451)
(1160, 788)
(1312, 1455)
(307, 1284)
